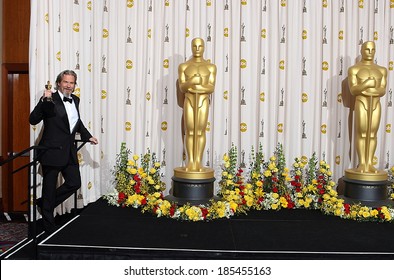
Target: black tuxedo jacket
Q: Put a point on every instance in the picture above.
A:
(56, 134)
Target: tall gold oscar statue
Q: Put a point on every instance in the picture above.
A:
(196, 78)
(367, 83)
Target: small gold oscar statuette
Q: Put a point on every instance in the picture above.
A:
(48, 86)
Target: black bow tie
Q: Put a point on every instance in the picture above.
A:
(65, 99)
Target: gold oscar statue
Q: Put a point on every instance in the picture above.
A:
(367, 83)
(197, 82)
(48, 93)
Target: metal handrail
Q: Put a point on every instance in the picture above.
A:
(32, 213)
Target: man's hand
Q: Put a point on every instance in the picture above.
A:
(47, 94)
(93, 140)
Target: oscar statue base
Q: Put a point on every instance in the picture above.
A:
(196, 190)
(372, 192)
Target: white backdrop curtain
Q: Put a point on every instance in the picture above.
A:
(281, 71)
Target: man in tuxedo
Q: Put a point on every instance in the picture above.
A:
(60, 113)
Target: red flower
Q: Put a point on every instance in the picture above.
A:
(172, 210)
(275, 189)
(347, 208)
(297, 177)
(137, 178)
(204, 212)
(290, 204)
(143, 201)
(121, 196)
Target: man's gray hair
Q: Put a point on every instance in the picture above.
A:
(61, 75)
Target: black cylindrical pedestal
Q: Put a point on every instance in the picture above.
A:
(193, 191)
(369, 193)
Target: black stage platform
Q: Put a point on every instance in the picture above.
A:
(108, 232)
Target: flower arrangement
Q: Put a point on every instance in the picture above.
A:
(266, 185)
(136, 184)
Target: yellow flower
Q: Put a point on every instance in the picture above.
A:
(152, 171)
(157, 195)
(353, 214)
(227, 164)
(374, 213)
(283, 202)
(157, 164)
(224, 173)
(192, 213)
(249, 200)
(132, 171)
(157, 187)
(132, 182)
(267, 173)
(259, 183)
(221, 212)
(271, 166)
(275, 195)
(274, 206)
(131, 162)
(233, 206)
(165, 207)
(366, 214)
(259, 192)
(136, 157)
(273, 158)
(226, 157)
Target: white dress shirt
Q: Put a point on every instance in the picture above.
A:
(72, 112)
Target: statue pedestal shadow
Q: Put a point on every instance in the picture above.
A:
(193, 187)
(371, 190)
